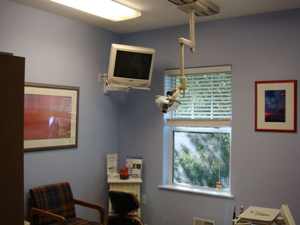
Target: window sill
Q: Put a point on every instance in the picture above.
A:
(201, 191)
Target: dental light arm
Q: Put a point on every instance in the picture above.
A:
(190, 43)
(169, 102)
(193, 8)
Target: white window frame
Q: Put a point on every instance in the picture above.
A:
(173, 123)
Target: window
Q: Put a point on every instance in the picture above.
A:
(200, 129)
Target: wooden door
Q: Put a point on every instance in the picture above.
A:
(11, 139)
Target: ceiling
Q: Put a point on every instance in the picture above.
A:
(161, 13)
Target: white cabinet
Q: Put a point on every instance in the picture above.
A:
(132, 186)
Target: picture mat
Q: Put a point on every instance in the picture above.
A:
(45, 143)
(289, 101)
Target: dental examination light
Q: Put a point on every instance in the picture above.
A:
(193, 8)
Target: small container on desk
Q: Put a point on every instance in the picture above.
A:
(131, 185)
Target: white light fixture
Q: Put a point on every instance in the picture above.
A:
(107, 9)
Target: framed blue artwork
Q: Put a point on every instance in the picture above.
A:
(276, 106)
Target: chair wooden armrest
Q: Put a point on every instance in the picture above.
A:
(42, 212)
(99, 208)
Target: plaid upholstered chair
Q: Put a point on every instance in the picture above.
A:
(54, 205)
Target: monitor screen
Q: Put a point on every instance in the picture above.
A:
(132, 65)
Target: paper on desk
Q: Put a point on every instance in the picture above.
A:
(260, 214)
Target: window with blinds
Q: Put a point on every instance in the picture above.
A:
(199, 141)
(208, 96)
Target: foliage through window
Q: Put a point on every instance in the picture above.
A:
(201, 133)
(201, 156)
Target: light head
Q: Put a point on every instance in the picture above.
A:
(167, 103)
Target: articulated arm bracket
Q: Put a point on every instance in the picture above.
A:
(190, 43)
(193, 8)
(170, 102)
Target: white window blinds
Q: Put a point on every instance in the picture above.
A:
(208, 96)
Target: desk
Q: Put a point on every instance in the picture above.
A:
(132, 186)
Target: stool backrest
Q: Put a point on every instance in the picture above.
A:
(123, 203)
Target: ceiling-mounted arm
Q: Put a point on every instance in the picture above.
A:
(193, 8)
(192, 22)
(165, 102)
(190, 43)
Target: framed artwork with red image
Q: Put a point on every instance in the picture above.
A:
(276, 106)
(50, 117)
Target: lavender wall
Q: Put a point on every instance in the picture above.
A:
(66, 52)
(265, 170)
(62, 51)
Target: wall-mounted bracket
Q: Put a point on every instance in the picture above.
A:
(109, 86)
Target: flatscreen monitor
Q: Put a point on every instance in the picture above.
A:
(130, 66)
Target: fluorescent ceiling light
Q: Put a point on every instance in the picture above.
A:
(107, 9)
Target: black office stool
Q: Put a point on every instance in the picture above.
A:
(125, 206)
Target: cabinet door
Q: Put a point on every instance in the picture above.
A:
(11, 139)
